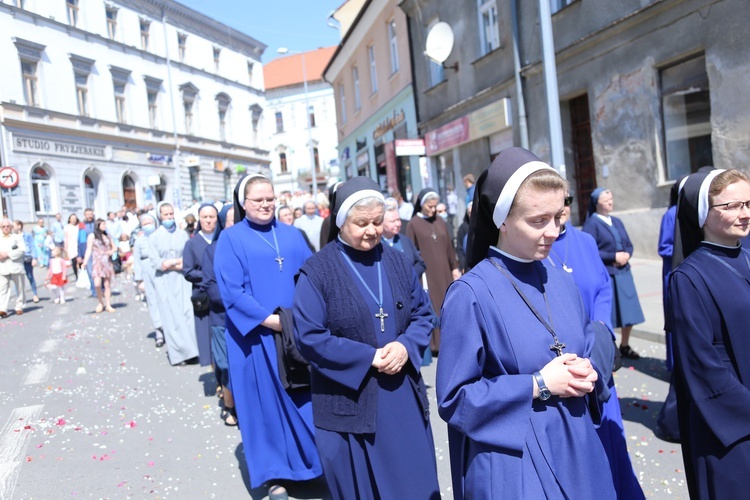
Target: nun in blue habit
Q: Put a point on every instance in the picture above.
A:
(255, 264)
(362, 320)
(192, 269)
(709, 293)
(516, 339)
(575, 252)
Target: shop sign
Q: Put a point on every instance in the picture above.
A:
(219, 166)
(192, 161)
(448, 136)
(388, 124)
(410, 147)
(153, 180)
(163, 160)
(24, 144)
(71, 197)
(480, 123)
(345, 154)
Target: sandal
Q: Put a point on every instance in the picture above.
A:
(277, 492)
(629, 353)
(219, 392)
(229, 412)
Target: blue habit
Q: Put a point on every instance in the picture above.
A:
(397, 460)
(192, 269)
(504, 443)
(277, 429)
(577, 251)
(709, 296)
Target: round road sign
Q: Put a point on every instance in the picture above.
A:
(8, 178)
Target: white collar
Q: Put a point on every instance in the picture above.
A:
(389, 240)
(511, 257)
(606, 218)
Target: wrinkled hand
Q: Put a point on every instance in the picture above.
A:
(622, 258)
(567, 376)
(393, 358)
(456, 274)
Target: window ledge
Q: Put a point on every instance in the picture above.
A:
(87, 120)
(125, 127)
(390, 77)
(486, 56)
(432, 89)
(36, 111)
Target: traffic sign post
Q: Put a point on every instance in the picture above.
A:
(8, 180)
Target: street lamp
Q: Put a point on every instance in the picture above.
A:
(283, 51)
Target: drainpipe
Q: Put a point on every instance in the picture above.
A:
(523, 128)
(557, 157)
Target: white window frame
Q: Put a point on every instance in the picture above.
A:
(558, 5)
(72, 8)
(145, 33)
(357, 95)
(30, 82)
(153, 108)
(373, 69)
(181, 45)
(111, 22)
(39, 187)
(393, 44)
(489, 34)
(82, 93)
(435, 69)
(279, 117)
(342, 102)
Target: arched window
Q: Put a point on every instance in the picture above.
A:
(41, 186)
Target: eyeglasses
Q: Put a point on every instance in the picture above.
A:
(733, 206)
(259, 201)
(568, 201)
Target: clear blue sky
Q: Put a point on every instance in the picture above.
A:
(295, 24)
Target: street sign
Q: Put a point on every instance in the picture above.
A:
(8, 178)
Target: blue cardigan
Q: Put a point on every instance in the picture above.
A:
(605, 241)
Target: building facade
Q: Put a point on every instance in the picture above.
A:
(301, 124)
(649, 90)
(126, 102)
(376, 113)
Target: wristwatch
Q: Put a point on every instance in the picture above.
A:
(544, 393)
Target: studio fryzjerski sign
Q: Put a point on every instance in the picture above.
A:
(60, 148)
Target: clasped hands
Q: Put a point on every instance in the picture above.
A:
(390, 358)
(569, 376)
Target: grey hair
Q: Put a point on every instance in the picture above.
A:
(430, 196)
(369, 202)
(391, 204)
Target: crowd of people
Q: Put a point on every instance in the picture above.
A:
(317, 317)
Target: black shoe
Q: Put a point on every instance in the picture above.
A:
(160, 342)
(629, 353)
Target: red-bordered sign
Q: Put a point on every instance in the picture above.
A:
(8, 178)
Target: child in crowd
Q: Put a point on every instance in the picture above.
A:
(126, 254)
(57, 275)
(49, 244)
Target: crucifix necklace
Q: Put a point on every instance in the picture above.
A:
(557, 346)
(279, 259)
(563, 261)
(378, 300)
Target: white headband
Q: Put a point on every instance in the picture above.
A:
(243, 183)
(504, 202)
(427, 195)
(351, 200)
(682, 184)
(703, 196)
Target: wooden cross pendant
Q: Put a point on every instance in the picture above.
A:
(433, 236)
(280, 260)
(382, 317)
(557, 347)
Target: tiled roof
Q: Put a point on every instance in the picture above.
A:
(287, 70)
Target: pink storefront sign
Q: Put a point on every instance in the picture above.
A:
(448, 136)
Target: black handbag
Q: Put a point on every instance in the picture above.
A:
(117, 265)
(199, 298)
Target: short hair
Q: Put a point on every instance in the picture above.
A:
(469, 178)
(369, 202)
(432, 195)
(723, 180)
(391, 204)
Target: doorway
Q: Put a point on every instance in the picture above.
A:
(128, 192)
(583, 154)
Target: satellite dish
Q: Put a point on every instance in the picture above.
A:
(439, 42)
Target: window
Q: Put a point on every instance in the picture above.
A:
(250, 67)
(437, 72)
(189, 94)
(311, 115)
(217, 54)
(120, 102)
(145, 27)
(223, 101)
(283, 164)
(82, 93)
(489, 36)
(686, 107)
(188, 106)
(279, 122)
(21, 4)
(111, 22)
(342, 102)
(255, 111)
(195, 189)
(373, 69)
(152, 108)
(317, 159)
(28, 70)
(41, 187)
(556, 5)
(393, 42)
(181, 41)
(357, 98)
(72, 6)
